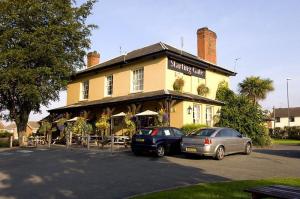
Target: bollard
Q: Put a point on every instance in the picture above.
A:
(10, 141)
(88, 142)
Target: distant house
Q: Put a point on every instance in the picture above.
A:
(281, 119)
(32, 128)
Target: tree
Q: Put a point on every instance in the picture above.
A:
(256, 88)
(42, 42)
(240, 113)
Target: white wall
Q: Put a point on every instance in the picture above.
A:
(284, 122)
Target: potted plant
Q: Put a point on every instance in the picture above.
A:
(178, 84)
(202, 90)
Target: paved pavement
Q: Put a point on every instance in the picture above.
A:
(60, 173)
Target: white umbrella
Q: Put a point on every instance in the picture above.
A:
(74, 119)
(147, 113)
(122, 114)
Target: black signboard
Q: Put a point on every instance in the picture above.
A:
(186, 69)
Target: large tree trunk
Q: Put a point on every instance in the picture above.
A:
(21, 123)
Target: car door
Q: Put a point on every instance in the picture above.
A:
(238, 141)
(224, 137)
(170, 138)
(177, 138)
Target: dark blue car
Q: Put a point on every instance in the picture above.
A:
(158, 140)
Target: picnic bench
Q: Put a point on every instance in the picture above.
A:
(275, 191)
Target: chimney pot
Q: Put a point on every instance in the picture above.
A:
(93, 58)
(206, 45)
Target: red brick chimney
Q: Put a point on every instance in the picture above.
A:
(93, 58)
(206, 44)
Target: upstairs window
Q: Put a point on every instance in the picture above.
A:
(277, 119)
(138, 80)
(109, 85)
(292, 119)
(85, 90)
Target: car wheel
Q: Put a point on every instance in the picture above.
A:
(248, 148)
(220, 153)
(160, 152)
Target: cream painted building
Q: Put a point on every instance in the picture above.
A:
(143, 80)
(281, 120)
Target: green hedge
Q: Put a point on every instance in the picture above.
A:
(292, 132)
(4, 144)
(5, 134)
(189, 128)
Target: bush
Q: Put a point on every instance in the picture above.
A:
(263, 138)
(15, 143)
(5, 134)
(189, 128)
(292, 132)
(4, 144)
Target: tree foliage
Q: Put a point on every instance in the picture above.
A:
(240, 113)
(42, 42)
(256, 88)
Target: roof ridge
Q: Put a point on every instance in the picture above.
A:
(163, 45)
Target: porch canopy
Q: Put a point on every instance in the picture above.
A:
(137, 98)
(147, 113)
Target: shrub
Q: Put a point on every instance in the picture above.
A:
(263, 138)
(189, 128)
(5, 134)
(4, 144)
(293, 132)
(178, 84)
(240, 113)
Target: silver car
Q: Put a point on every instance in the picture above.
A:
(216, 142)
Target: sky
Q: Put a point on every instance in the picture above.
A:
(265, 35)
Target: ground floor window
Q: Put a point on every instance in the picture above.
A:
(196, 114)
(209, 110)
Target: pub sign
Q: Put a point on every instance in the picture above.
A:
(186, 69)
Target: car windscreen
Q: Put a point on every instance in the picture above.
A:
(144, 131)
(204, 132)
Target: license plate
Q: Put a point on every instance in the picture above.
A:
(139, 140)
(190, 149)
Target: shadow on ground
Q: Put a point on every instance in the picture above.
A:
(288, 151)
(59, 173)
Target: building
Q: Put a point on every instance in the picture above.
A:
(280, 116)
(32, 128)
(143, 80)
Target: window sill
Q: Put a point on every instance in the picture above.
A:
(83, 100)
(134, 92)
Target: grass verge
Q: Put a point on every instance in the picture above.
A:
(286, 142)
(234, 189)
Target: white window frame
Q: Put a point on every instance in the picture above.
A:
(209, 116)
(197, 113)
(106, 93)
(84, 95)
(135, 87)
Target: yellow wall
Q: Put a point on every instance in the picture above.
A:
(154, 72)
(191, 83)
(212, 81)
(180, 116)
